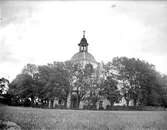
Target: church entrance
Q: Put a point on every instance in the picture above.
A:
(74, 101)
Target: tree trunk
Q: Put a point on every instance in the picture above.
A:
(50, 104)
(69, 100)
(127, 102)
(135, 102)
(79, 99)
(65, 103)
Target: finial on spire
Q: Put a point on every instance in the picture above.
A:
(84, 33)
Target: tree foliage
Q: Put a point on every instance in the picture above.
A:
(3, 85)
(110, 90)
(54, 81)
(139, 81)
(133, 79)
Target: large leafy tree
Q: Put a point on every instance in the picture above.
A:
(109, 84)
(82, 81)
(25, 86)
(109, 90)
(138, 79)
(90, 85)
(74, 76)
(54, 81)
(162, 83)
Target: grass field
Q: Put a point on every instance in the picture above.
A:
(34, 118)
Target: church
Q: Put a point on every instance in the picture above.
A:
(83, 57)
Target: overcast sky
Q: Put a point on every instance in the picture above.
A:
(43, 32)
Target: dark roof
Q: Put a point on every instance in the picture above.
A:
(83, 42)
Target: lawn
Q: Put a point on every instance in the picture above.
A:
(34, 118)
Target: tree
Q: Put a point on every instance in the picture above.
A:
(82, 82)
(109, 90)
(90, 85)
(162, 83)
(3, 86)
(75, 77)
(23, 88)
(54, 81)
(138, 79)
(30, 69)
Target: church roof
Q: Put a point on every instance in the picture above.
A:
(83, 56)
(83, 42)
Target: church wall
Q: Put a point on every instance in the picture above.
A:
(105, 103)
(81, 105)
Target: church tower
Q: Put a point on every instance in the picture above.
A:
(83, 57)
(83, 45)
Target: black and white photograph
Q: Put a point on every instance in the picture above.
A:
(83, 65)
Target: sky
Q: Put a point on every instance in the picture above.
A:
(40, 32)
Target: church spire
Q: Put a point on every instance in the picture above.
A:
(83, 45)
(84, 33)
